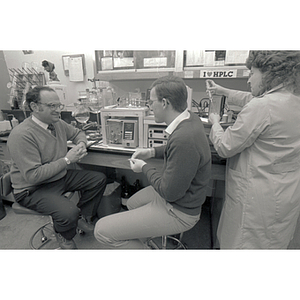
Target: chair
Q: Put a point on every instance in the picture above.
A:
(46, 231)
(175, 239)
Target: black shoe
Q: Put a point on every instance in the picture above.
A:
(85, 226)
(64, 243)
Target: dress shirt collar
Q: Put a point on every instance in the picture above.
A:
(184, 115)
(42, 124)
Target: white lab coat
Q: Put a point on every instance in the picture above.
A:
(262, 201)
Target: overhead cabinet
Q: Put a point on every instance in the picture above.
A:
(126, 64)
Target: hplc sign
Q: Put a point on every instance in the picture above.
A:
(218, 73)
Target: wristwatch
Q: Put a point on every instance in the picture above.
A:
(67, 160)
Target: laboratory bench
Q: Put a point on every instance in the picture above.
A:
(119, 161)
(111, 159)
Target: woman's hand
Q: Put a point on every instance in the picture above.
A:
(215, 89)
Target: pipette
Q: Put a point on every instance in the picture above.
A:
(208, 85)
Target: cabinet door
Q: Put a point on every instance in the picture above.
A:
(113, 65)
(154, 59)
(107, 60)
(4, 154)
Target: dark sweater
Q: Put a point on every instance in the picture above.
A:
(187, 167)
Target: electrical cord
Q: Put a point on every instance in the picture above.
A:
(196, 104)
(202, 107)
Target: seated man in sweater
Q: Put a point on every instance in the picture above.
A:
(40, 175)
(171, 204)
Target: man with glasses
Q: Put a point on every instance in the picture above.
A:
(172, 202)
(40, 175)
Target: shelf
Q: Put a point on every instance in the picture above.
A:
(219, 72)
(188, 73)
(135, 74)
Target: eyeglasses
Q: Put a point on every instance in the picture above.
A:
(53, 106)
(150, 102)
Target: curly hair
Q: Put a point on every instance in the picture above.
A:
(172, 88)
(277, 67)
(34, 94)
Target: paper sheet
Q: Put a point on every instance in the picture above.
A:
(66, 62)
(236, 57)
(75, 69)
(194, 58)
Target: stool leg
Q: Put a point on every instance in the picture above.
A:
(181, 236)
(164, 242)
(44, 238)
(180, 245)
(152, 244)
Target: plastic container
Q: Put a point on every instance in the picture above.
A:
(14, 122)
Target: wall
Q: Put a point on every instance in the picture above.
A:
(4, 79)
(15, 59)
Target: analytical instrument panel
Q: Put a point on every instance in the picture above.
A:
(157, 135)
(122, 132)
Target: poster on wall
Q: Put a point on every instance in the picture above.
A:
(236, 57)
(75, 69)
(74, 66)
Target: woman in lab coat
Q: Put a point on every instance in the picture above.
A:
(262, 202)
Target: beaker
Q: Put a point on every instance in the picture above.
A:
(81, 113)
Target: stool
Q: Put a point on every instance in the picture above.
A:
(6, 189)
(45, 238)
(164, 242)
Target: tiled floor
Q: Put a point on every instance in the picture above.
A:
(17, 229)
